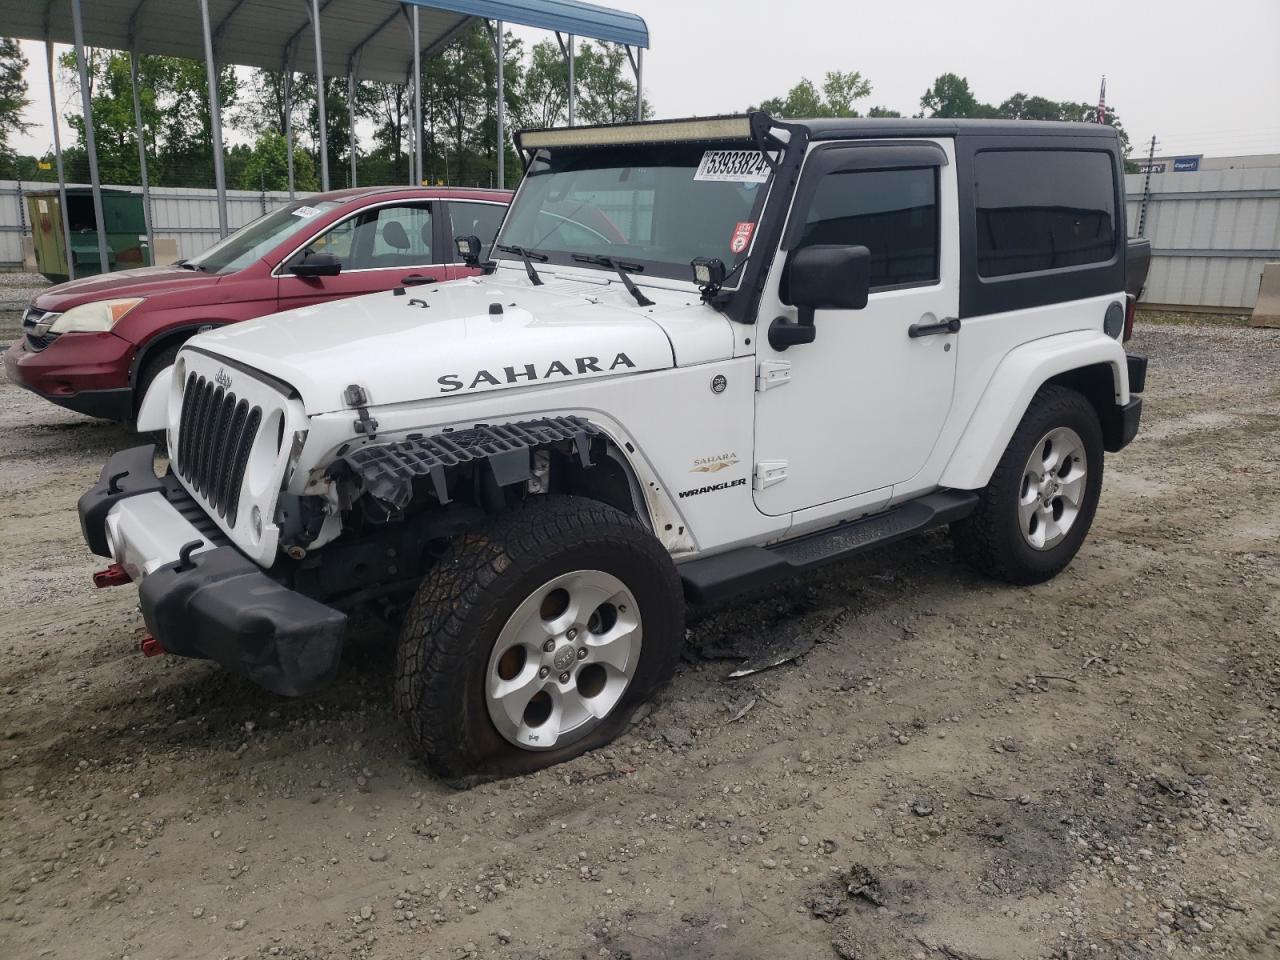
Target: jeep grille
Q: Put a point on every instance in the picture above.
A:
(215, 434)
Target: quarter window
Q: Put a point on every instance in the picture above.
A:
(893, 213)
(1043, 210)
(476, 220)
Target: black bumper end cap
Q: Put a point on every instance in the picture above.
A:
(220, 606)
(1120, 429)
(1137, 365)
(126, 474)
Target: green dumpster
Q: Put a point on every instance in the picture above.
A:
(125, 227)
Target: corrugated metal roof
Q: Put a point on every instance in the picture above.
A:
(261, 33)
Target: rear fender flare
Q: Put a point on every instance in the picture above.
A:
(1017, 378)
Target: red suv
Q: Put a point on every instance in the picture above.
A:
(94, 345)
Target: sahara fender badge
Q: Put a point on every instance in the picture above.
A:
(721, 461)
(718, 383)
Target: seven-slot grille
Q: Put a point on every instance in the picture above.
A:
(215, 435)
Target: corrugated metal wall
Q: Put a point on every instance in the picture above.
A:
(189, 216)
(1211, 231)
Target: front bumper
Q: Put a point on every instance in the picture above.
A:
(214, 603)
(84, 372)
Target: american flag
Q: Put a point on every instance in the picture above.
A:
(1102, 101)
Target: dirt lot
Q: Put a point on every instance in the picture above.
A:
(957, 771)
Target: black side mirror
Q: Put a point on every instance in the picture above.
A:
(827, 276)
(824, 276)
(468, 248)
(317, 265)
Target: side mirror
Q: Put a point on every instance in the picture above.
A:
(317, 265)
(827, 276)
(468, 248)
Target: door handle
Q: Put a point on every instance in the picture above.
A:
(416, 280)
(945, 325)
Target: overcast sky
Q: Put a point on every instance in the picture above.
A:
(1204, 76)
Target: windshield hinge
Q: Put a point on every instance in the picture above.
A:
(356, 397)
(769, 472)
(772, 373)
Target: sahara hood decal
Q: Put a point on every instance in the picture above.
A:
(532, 372)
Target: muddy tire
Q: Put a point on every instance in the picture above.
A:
(536, 638)
(1037, 509)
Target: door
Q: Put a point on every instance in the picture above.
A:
(860, 408)
(379, 248)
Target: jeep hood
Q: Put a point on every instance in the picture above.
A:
(450, 340)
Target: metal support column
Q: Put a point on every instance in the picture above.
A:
(639, 84)
(142, 156)
(324, 130)
(416, 164)
(573, 85)
(351, 120)
(215, 120)
(288, 121)
(498, 50)
(86, 101)
(57, 161)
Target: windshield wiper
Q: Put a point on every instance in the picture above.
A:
(188, 265)
(621, 267)
(528, 256)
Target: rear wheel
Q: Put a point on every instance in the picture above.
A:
(1037, 509)
(536, 638)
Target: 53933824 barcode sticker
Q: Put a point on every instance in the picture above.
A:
(736, 166)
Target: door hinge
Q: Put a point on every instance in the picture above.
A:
(772, 373)
(769, 472)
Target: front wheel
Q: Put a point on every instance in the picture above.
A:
(1035, 512)
(536, 638)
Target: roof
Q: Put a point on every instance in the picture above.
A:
(858, 127)
(406, 190)
(370, 36)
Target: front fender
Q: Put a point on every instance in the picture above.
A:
(1020, 374)
(153, 412)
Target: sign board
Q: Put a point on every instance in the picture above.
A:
(1157, 167)
(1186, 164)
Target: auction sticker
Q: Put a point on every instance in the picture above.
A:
(736, 166)
(741, 237)
(306, 213)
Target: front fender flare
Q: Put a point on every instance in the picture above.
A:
(1017, 378)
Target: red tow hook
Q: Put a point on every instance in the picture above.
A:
(113, 576)
(151, 646)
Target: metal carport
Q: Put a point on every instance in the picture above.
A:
(361, 39)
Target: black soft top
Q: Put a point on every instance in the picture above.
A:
(862, 127)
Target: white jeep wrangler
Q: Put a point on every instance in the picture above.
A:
(706, 355)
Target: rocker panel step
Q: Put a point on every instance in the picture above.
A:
(725, 575)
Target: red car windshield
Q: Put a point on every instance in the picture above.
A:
(257, 239)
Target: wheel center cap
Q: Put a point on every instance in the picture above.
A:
(564, 658)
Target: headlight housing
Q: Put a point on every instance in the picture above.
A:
(96, 317)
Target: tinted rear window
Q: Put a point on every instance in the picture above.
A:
(1043, 210)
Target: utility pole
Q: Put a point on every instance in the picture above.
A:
(1146, 189)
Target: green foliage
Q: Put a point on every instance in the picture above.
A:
(13, 92)
(951, 98)
(839, 91)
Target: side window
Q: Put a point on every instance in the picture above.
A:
(893, 213)
(337, 242)
(1043, 210)
(478, 220)
(400, 237)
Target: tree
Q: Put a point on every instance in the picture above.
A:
(546, 87)
(605, 94)
(882, 112)
(839, 91)
(951, 98)
(13, 93)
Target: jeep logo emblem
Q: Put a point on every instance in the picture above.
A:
(223, 379)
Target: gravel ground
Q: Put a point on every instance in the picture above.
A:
(958, 770)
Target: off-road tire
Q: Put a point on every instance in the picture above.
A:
(464, 602)
(989, 539)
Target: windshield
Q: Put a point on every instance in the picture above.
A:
(257, 239)
(654, 206)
